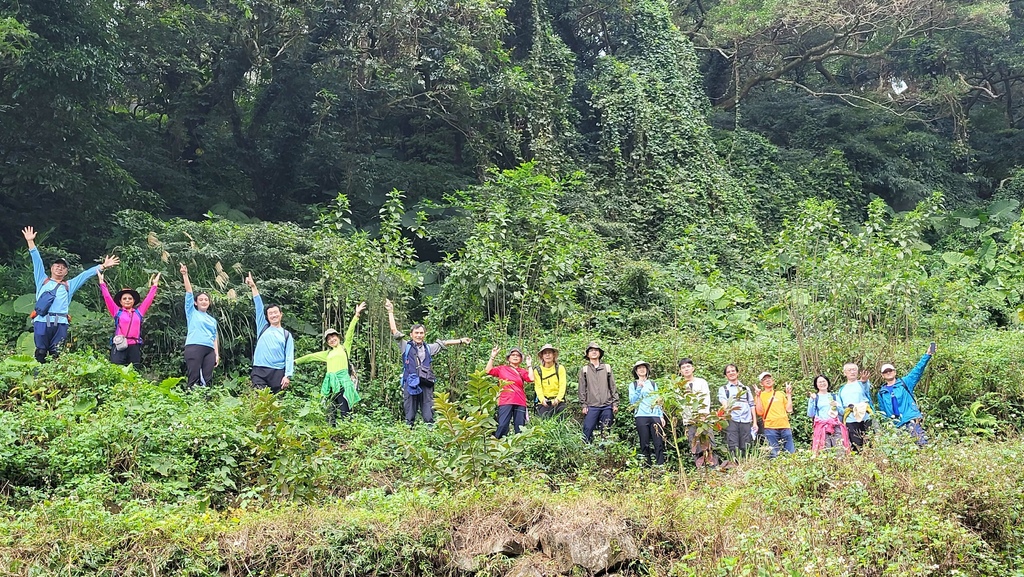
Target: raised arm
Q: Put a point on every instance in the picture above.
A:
(148, 299)
(390, 307)
(107, 299)
(758, 405)
(350, 334)
(77, 282)
(319, 356)
(257, 303)
(252, 284)
(915, 374)
(184, 277)
(30, 237)
(38, 268)
(490, 360)
(462, 341)
(789, 398)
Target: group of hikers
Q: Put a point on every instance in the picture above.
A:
(840, 418)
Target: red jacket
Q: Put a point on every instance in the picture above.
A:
(514, 379)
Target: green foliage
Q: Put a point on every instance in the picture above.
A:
(522, 259)
(469, 452)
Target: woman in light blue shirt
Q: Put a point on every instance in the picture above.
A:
(650, 423)
(202, 345)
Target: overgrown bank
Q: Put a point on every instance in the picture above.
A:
(104, 472)
(948, 510)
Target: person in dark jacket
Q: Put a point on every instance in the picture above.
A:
(597, 392)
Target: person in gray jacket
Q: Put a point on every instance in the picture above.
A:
(597, 392)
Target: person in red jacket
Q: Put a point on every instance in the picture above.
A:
(512, 399)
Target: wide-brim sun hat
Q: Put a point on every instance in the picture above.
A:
(547, 347)
(127, 291)
(515, 350)
(330, 332)
(641, 364)
(593, 345)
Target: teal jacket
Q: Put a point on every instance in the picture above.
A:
(897, 400)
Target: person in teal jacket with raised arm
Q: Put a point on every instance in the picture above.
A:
(53, 297)
(338, 389)
(896, 397)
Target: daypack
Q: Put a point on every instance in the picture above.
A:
(543, 379)
(896, 414)
(287, 335)
(835, 399)
(45, 300)
(410, 373)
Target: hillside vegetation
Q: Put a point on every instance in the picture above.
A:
(105, 473)
(787, 185)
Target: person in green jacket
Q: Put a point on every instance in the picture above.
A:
(338, 388)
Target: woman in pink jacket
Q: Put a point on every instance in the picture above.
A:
(126, 343)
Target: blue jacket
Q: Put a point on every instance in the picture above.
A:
(897, 400)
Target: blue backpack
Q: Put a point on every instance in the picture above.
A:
(45, 300)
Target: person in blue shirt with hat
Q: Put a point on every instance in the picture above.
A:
(896, 397)
(53, 297)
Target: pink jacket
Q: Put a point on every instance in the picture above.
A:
(129, 323)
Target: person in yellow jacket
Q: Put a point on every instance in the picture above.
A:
(338, 388)
(549, 383)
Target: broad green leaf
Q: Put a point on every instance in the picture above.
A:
(956, 259)
(25, 304)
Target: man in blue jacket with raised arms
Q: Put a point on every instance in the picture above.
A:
(53, 297)
(896, 397)
(273, 361)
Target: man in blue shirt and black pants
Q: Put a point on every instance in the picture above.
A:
(273, 361)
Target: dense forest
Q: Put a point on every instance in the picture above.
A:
(787, 185)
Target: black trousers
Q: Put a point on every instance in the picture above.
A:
(738, 438)
(551, 410)
(267, 378)
(857, 431)
(132, 355)
(649, 429)
(337, 408)
(423, 401)
(199, 362)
